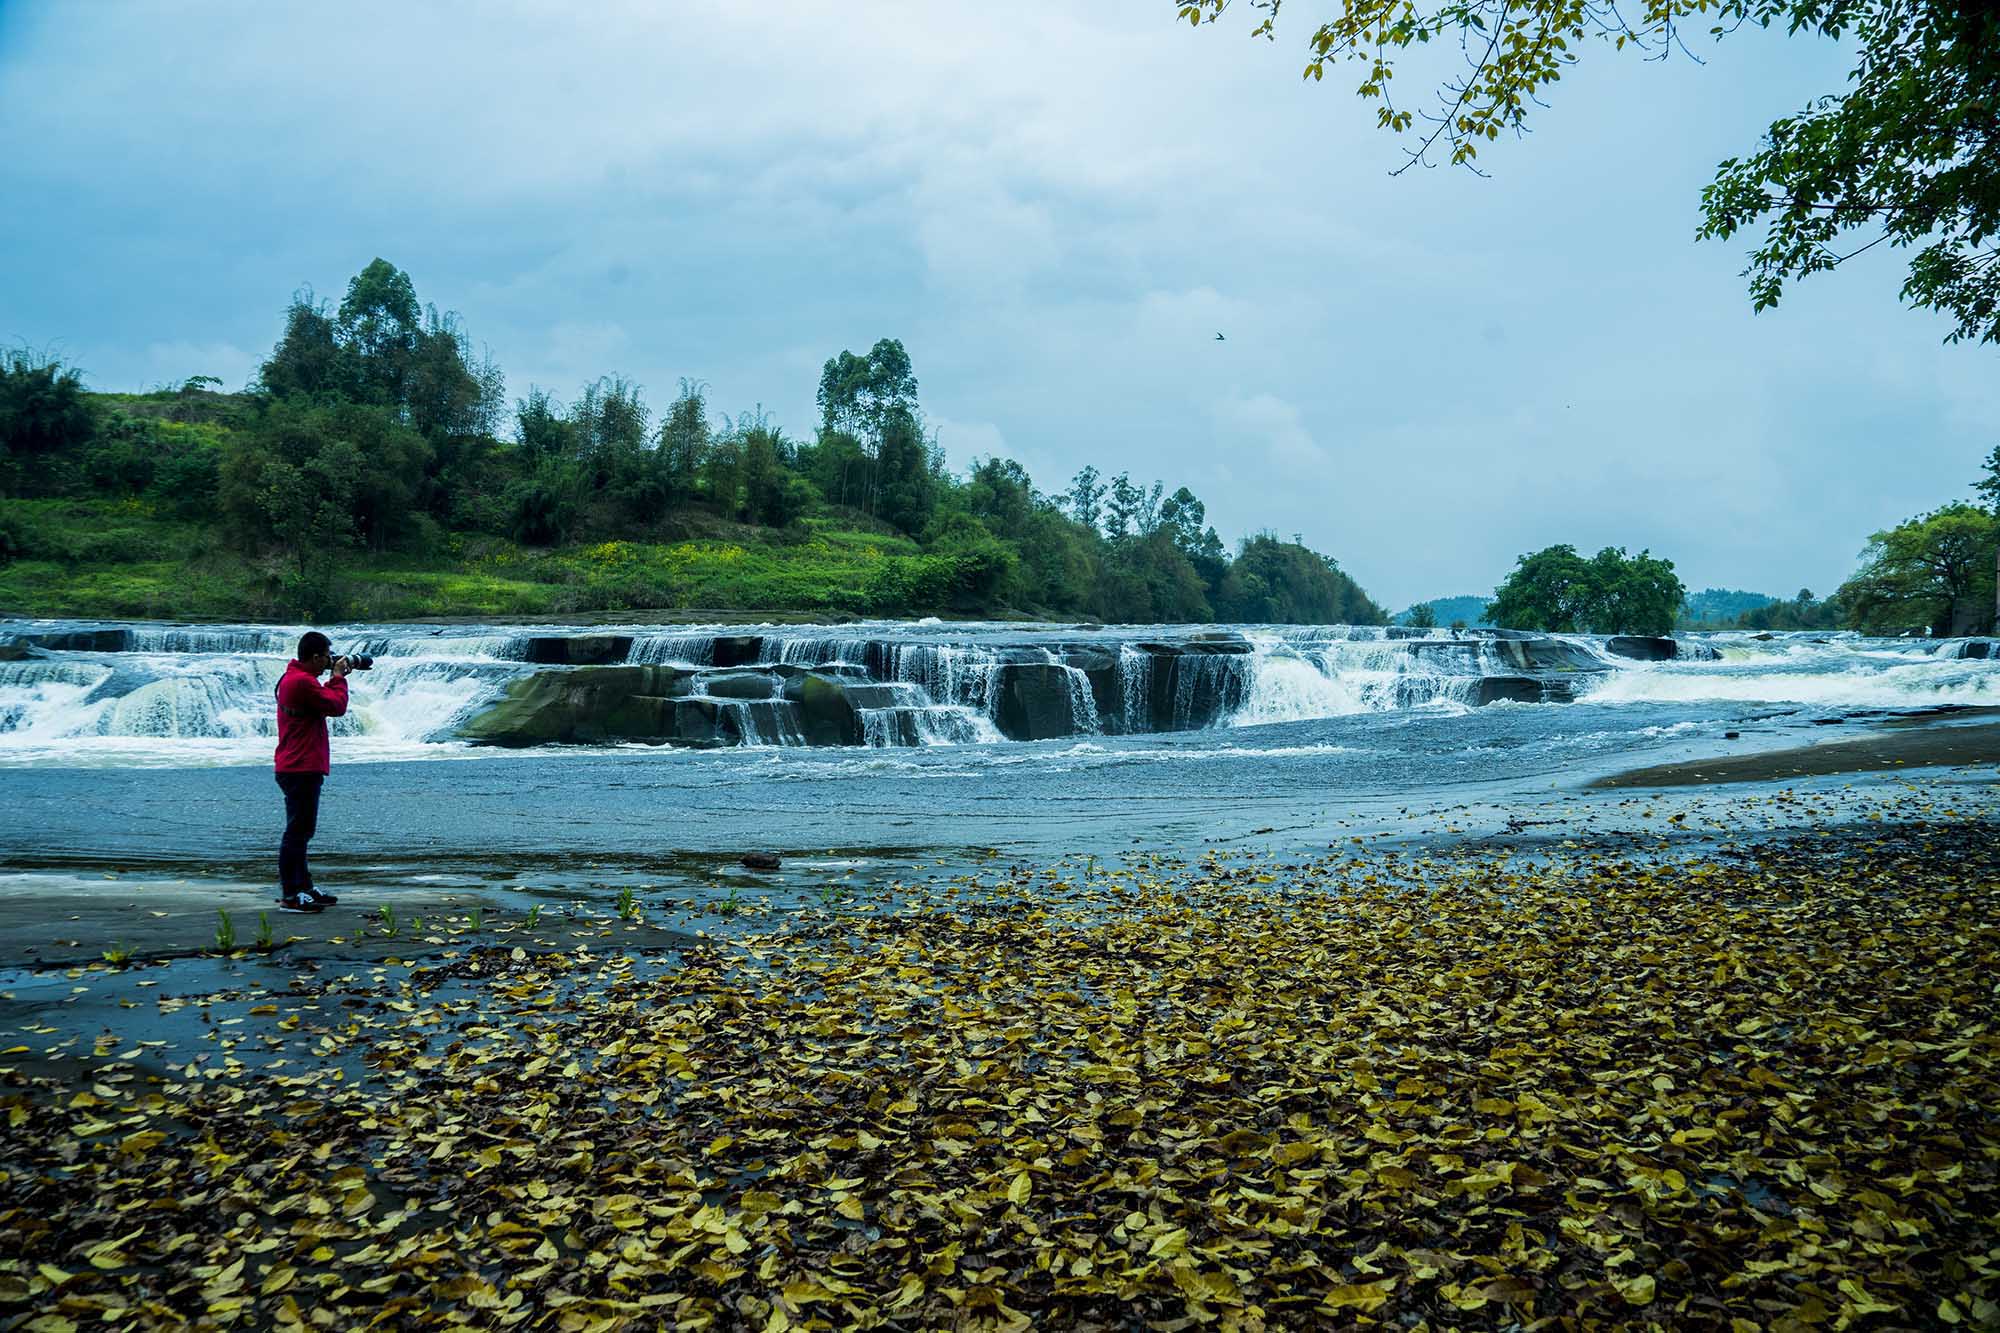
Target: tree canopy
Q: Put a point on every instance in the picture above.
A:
(1908, 153)
(1558, 591)
(1933, 573)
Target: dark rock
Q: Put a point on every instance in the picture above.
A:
(1545, 654)
(585, 705)
(1765, 637)
(1694, 650)
(1731, 735)
(1405, 632)
(1642, 647)
(577, 650)
(82, 640)
(1973, 650)
(1218, 641)
(703, 724)
(737, 649)
(739, 684)
(1513, 689)
(826, 714)
(1487, 632)
(1032, 701)
(15, 650)
(760, 860)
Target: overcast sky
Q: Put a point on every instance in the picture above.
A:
(1056, 207)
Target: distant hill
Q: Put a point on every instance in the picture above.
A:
(1449, 610)
(1721, 606)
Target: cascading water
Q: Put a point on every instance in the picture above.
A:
(685, 649)
(178, 691)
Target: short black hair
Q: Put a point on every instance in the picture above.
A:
(312, 641)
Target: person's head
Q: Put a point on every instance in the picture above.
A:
(315, 651)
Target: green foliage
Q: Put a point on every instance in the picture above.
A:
(1932, 573)
(1421, 616)
(1803, 612)
(225, 931)
(1457, 612)
(42, 412)
(362, 476)
(1284, 583)
(1908, 152)
(1717, 607)
(263, 941)
(1558, 591)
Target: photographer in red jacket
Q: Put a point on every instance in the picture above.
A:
(304, 705)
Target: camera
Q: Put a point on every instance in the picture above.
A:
(356, 661)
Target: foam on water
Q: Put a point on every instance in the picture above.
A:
(202, 695)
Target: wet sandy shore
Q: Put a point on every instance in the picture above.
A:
(1925, 747)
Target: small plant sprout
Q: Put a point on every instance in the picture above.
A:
(478, 918)
(118, 955)
(416, 925)
(628, 906)
(829, 894)
(225, 931)
(732, 902)
(388, 915)
(534, 915)
(264, 931)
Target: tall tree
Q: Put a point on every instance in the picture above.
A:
(1086, 497)
(1558, 591)
(1907, 153)
(684, 438)
(380, 320)
(1929, 573)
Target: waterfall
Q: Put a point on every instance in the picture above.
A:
(678, 649)
(1082, 703)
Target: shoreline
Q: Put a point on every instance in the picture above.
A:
(1910, 745)
(1059, 1061)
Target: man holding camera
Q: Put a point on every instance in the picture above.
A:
(304, 705)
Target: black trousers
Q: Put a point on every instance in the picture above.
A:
(301, 822)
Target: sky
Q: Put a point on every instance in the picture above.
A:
(1056, 208)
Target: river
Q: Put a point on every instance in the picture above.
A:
(132, 744)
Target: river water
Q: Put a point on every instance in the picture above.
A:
(158, 752)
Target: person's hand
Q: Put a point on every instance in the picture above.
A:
(340, 668)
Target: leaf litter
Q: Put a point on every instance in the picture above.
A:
(1746, 1088)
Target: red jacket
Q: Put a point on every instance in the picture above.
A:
(304, 705)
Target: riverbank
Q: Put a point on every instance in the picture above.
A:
(1446, 1083)
(1931, 746)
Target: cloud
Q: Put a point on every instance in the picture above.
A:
(1055, 208)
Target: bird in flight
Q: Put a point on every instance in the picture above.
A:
(1219, 338)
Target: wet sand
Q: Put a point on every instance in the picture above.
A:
(1923, 747)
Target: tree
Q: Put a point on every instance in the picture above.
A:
(1549, 590)
(1421, 616)
(1086, 497)
(1933, 572)
(1121, 509)
(684, 438)
(42, 407)
(905, 464)
(859, 394)
(380, 322)
(1558, 591)
(1284, 583)
(541, 426)
(1908, 153)
(308, 361)
(1637, 594)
